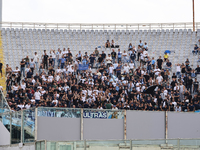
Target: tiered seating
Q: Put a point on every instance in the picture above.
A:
(18, 43)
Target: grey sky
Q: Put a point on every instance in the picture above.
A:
(100, 11)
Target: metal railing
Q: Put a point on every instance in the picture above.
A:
(100, 26)
(120, 144)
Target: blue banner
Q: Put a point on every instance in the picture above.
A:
(83, 67)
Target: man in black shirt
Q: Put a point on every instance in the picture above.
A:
(103, 55)
(189, 69)
(197, 70)
(159, 62)
(22, 64)
(1, 66)
(195, 85)
(173, 83)
(100, 60)
(189, 84)
(50, 60)
(45, 60)
(113, 54)
(92, 60)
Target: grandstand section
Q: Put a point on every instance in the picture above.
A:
(91, 95)
(21, 42)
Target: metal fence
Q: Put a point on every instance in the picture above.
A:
(100, 26)
(172, 144)
(92, 124)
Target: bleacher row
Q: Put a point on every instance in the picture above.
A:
(18, 43)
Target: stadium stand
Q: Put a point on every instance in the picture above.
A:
(21, 44)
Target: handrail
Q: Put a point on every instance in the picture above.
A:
(100, 26)
(3, 97)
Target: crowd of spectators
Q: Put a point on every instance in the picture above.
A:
(115, 80)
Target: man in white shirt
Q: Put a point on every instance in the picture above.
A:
(16, 71)
(64, 52)
(126, 68)
(109, 60)
(50, 78)
(145, 53)
(124, 54)
(37, 96)
(55, 101)
(138, 86)
(27, 106)
(157, 71)
(58, 70)
(111, 69)
(159, 79)
(115, 65)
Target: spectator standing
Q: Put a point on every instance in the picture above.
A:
(119, 56)
(118, 70)
(8, 69)
(113, 54)
(26, 61)
(189, 84)
(22, 67)
(108, 60)
(36, 60)
(62, 62)
(133, 57)
(45, 61)
(37, 96)
(153, 62)
(148, 65)
(92, 60)
(32, 65)
(1, 66)
(124, 56)
(195, 85)
(53, 54)
(139, 51)
(159, 62)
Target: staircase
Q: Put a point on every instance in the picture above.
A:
(2, 80)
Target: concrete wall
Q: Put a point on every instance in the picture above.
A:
(103, 129)
(183, 125)
(4, 135)
(58, 129)
(140, 125)
(145, 125)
